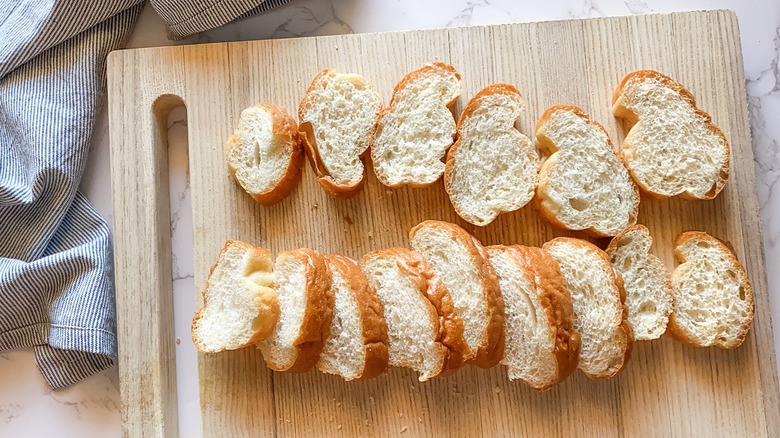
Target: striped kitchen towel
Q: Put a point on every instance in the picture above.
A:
(56, 291)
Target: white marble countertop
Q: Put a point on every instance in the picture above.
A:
(91, 408)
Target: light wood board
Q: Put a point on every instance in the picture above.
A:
(667, 388)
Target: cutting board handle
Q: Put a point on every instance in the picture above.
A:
(142, 235)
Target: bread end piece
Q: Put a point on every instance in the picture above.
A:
(265, 155)
(240, 306)
(713, 298)
(303, 284)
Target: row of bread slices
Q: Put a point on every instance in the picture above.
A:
(491, 168)
(540, 311)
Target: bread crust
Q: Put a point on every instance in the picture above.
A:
(491, 351)
(617, 279)
(413, 76)
(309, 143)
(285, 126)
(405, 81)
(449, 339)
(544, 171)
(676, 329)
(554, 296)
(266, 299)
(620, 111)
(372, 317)
(468, 111)
(615, 241)
(318, 315)
(450, 334)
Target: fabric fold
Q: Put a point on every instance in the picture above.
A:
(56, 285)
(55, 250)
(187, 18)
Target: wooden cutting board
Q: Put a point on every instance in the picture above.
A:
(667, 388)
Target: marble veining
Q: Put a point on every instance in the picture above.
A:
(91, 408)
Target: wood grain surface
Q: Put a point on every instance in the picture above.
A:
(667, 389)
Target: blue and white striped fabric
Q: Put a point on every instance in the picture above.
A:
(56, 290)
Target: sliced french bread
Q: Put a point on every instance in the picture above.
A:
(424, 331)
(492, 167)
(337, 119)
(264, 154)
(240, 307)
(461, 262)
(414, 132)
(672, 147)
(303, 284)
(647, 283)
(597, 297)
(542, 346)
(583, 184)
(713, 298)
(357, 345)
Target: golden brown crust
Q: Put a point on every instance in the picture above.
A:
(547, 145)
(285, 126)
(405, 81)
(617, 280)
(371, 315)
(491, 351)
(626, 326)
(674, 328)
(554, 296)
(315, 327)
(468, 111)
(615, 241)
(266, 299)
(449, 336)
(632, 118)
(195, 338)
(312, 152)
(417, 74)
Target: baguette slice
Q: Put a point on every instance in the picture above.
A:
(357, 345)
(264, 154)
(414, 132)
(647, 283)
(597, 297)
(303, 284)
(542, 346)
(424, 331)
(672, 147)
(583, 184)
(713, 299)
(492, 167)
(240, 307)
(461, 262)
(338, 116)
